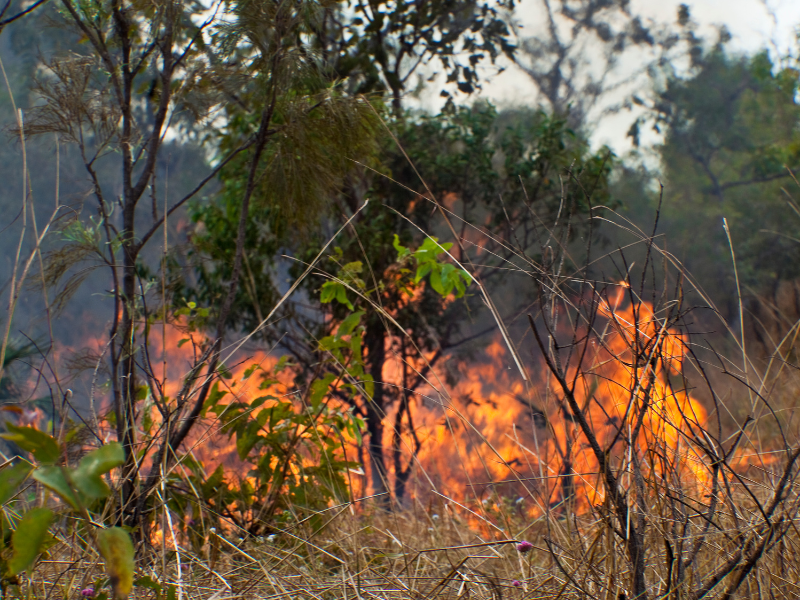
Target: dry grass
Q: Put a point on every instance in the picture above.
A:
(424, 552)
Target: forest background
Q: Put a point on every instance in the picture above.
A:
(333, 174)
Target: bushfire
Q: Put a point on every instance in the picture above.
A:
(494, 434)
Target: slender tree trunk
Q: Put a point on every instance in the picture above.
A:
(126, 428)
(376, 355)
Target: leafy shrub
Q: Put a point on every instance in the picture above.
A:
(81, 490)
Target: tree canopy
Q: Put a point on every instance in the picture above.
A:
(730, 150)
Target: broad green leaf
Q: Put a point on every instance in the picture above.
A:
(53, 479)
(353, 267)
(328, 343)
(43, 447)
(116, 548)
(422, 270)
(436, 282)
(245, 442)
(351, 322)
(429, 244)
(328, 292)
(447, 271)
(10, 479)
(29, 538)
(148, 583)
(319, 388)
(341, 296)
(87, 477)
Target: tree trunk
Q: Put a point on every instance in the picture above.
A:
(376, 355)
(127, 399)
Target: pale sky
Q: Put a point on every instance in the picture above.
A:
(753, 24)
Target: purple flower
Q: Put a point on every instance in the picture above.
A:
(88, 592)
(192, 522)
(516, 583)
(524, 547)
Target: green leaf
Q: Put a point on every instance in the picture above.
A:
(116, 548)
(245, 442)
(29, 538)
(351, 322)
(328, 343)
(369, 385)
(402, 251)
(214, 482)
(182, 342)
(430, 249)
(423, 270)
(352, 268)
(10, 479)
(87, 477)
(436, 282)
(341, 296)
(319, 388)
(43, 447)
(53, 478)
(148, 583)
(328, 292)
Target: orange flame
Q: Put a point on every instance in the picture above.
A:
(496, 434)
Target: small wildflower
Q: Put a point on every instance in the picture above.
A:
(271, 538)
(524, 547)
(516, 583)
(435, 517)
(88, 592)
(192, 522)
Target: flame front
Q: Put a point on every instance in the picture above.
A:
(494, 435)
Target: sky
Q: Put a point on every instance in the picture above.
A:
(753, 24)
